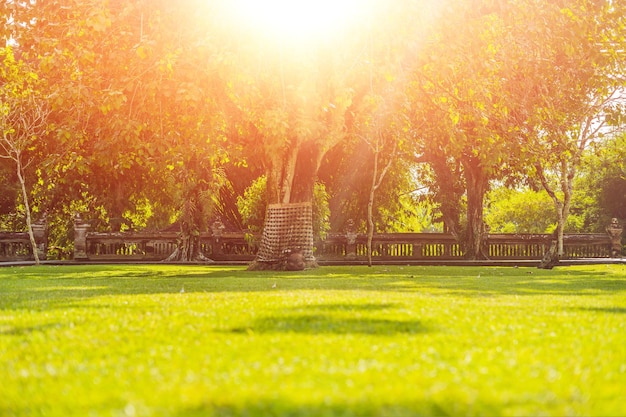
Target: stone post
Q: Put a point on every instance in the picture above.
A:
(217, 229)
(417, 250)
(615, 231)
(40, 232)
(81, 228)
(351, 236)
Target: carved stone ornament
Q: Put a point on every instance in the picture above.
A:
(615, 230)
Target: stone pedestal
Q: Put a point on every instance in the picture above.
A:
(217, 228)
(615, 231)
(351, 236)
(40, 232)
(81, 228)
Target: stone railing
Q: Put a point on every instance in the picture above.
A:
(348, 247)
(425, 246)
(16, 246)
(390, 246)
(534, 246)
(157, 246)
(238, 247)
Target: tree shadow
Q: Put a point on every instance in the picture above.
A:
(494, 281)
(350, 408)
(284, 408)
(45, 288)
(327, 324)
(68, 286)
(22, 331)
(607, 310)
(345, 307)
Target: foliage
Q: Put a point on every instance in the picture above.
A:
(572, 65)
(253, 205)
(347, 173)
(140, 85)
(166, 111)
(603, 180)
(24, 124)
(595, 200)
(321, 211)
(519, 211)
(413, 213)
(337, 341)
(460, 113)
(529, 211)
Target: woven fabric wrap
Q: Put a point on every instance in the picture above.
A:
(287, 227)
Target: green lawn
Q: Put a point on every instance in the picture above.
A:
(337, 341)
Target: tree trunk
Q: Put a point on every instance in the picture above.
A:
(377, 179)
(567, 185)
(189, 249)
(370, 215)
(551, 257)
(556, 251)
(476, 189)
(29, 225)
(562, 211)
(305, 173)
(288, 177)
(560, 232)
(448, 191)
(287, 240)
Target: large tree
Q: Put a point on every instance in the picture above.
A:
(138, 93)
(299, 98)
(571, 78)
(292, 100)
(461, 113)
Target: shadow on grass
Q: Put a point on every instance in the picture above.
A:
(520, 286)
(421, 407)
(283, 408)
(50, 287)
(608, 310)
(326, 324)
(21, 331)
(345, 307)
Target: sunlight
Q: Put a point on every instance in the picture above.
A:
(298, 20)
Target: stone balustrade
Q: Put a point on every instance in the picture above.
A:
(343, 247)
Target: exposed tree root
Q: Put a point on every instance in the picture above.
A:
(292, 262)
(551, 258)
(188, 250)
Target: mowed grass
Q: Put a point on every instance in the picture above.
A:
(336, 341)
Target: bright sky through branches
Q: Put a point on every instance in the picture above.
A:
(298, 20)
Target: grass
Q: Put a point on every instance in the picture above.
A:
(337, 341)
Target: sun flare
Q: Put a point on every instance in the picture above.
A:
(297, 20)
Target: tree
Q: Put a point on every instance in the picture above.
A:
(24, 122)
(380, 125)
(292, 101)
(380, 112)
(461, 113)
(140, 82)
(572, 70)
